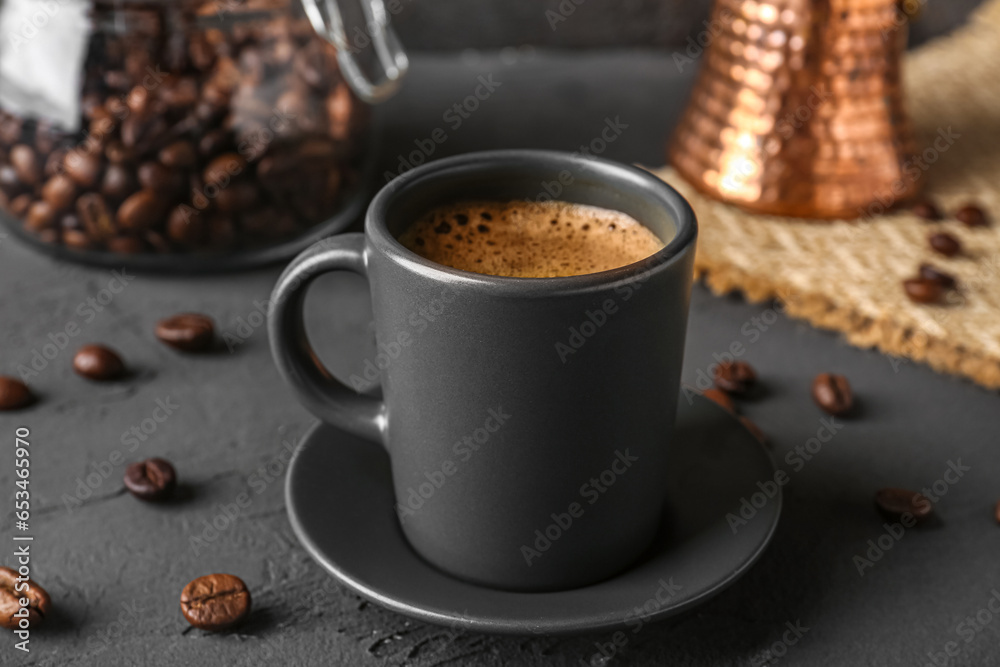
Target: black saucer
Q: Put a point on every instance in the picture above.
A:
(340, 503)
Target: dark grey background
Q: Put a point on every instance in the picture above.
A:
(445, 25)
(115, 566)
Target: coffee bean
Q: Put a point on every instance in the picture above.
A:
(48, 235)
(215, 602)
(945, 243)
(179, 155)
(224, 168)
(214, 142)
(157, 242)
(274, 169)
(94, 215)
(89, 104)
(12, 590)
(41, 215)
(54, 162)
(70, 221)
(929, 272)
(118, 183)
(97, 362)
(896, 502)
(59, 191)
(755, 431)
(84, 167)
(138, 61)
(46, 138)
(281, 52)
(921, 290)
(197, 190)
(200, 51)
(115, 106)
(10, 128)
(140, 211)
(178, 92)
(117, 80)
(137, 99)
(339, 106)
(126, 245)
(154, 177)
(25, 162)
(309, 65)
(14, 394)
(316, 152)
(833, 394)
(269, 224)
(190, 332)
(926, 210)
(720, 397)
(238, 197)
(152, 479)
(19, 205)
(186, 226)
(735, 377)
(117, 153)
(972, 216)
(76, 239)
(101, 127)
(143, 131)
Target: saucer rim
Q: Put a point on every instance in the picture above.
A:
(575, 625)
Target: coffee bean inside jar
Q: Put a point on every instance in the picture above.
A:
(210, 129)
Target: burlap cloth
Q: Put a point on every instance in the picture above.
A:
(847, 275)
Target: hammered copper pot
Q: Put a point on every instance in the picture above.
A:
(798, 109)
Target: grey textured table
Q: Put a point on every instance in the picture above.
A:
(115, 566)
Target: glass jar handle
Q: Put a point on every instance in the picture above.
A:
(328, 22)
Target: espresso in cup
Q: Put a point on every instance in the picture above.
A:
(526, 239)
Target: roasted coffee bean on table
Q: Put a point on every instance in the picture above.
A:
(945, 243)
(897, 502)
(189, 332)
(152, 479)
(251, 132)
(735, 377)
(97, 362)
(215, 602)
(38, 605)
(934, 274)
(926, 210)
(14, 394)
(833, 394)
(922, 290)
(971, 216)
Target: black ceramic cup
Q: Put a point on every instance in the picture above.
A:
(527, 419)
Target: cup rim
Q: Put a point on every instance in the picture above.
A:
(377, 231)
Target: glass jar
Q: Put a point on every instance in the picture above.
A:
(178, 136)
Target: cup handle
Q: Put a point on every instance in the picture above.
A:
(321, 393)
